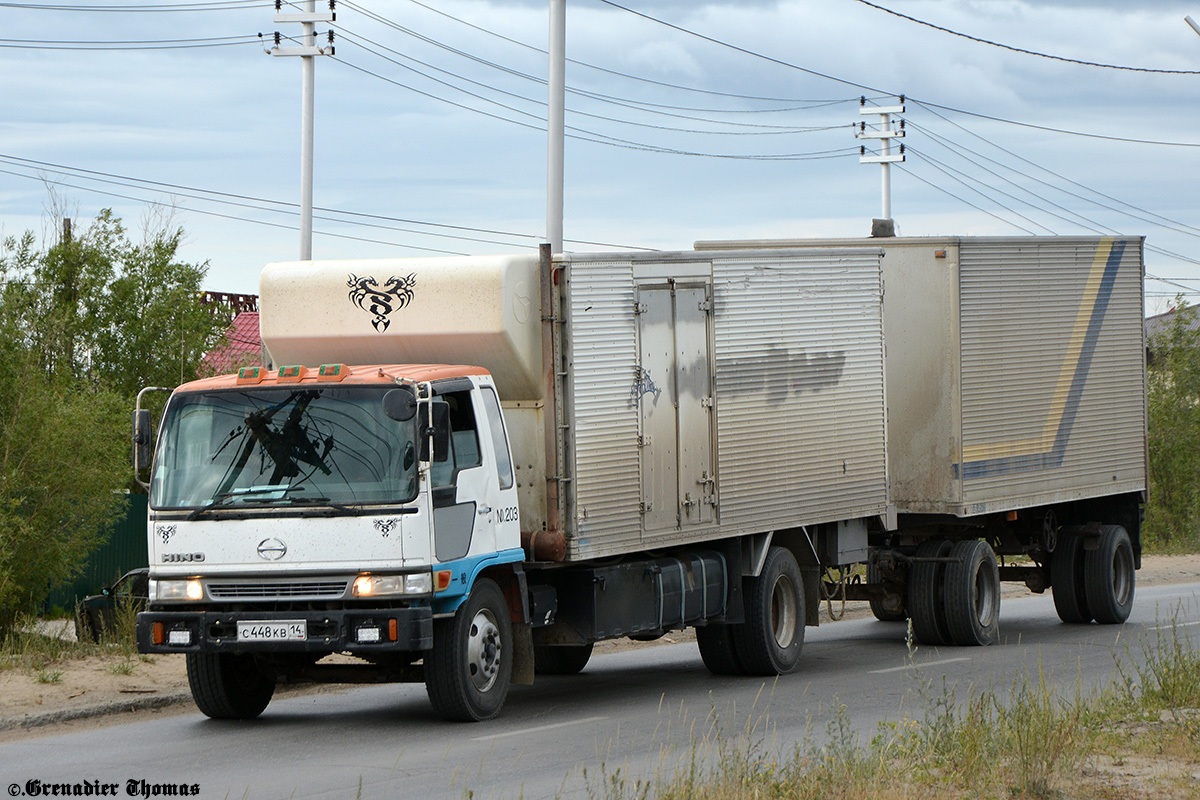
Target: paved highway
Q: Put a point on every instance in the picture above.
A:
(632, 710)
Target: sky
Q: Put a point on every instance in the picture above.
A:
(686, 121)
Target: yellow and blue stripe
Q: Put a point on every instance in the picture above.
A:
(1047, 451)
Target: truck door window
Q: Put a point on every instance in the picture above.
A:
(464, 440)
(504, 468)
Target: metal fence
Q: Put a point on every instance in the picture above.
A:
(125, 549)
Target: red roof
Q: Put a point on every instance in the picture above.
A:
(241, 347)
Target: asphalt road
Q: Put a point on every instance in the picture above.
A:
(637, 711)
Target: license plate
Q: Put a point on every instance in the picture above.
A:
(285, 631)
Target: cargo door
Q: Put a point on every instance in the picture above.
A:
(675, 404)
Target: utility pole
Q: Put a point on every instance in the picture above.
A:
(1195, 26)
(555, 124)
(307, 51)
(885, 133)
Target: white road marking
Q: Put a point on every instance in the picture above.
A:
(1166, 626)
(918, 666)
(524, 731)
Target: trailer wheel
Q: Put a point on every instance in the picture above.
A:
(926, 593)
(770, 640)
(229, 685)
(717, 649)
(561, 659)
(973, 594)
(468, 670)
(1066, 580)
(882, 612)
(1108, 576)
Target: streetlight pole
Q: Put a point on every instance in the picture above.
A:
(555, 125)
(1193, 23)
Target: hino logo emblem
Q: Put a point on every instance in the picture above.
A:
(272, 549)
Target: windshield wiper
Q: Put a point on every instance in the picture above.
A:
(221, 497)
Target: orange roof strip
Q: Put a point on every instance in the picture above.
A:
(365, 374)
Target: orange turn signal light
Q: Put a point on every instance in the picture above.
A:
(441, 580)
(157, 634)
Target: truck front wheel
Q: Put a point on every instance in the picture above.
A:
(229, 685)
(769, 641)
(468, 670)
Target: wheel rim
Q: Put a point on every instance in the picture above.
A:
(783, 611)
(985, 596)
(483, 650)
(1122, 570)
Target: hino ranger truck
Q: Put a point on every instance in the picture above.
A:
(466, 471)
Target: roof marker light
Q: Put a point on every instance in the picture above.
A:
(251, 375)
(332, 372)
(292, 374)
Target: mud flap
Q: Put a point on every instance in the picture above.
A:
(522, 668)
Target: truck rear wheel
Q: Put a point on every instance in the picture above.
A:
(973, 594)
(1108, 576)
(468, 670)
(926, 593)
(1066, 579)
(561, 659)
(229, 685)
(716, 649)
(770, 640)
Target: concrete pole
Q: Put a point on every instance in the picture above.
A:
(555, 124)
(1195, 26)
(307, 101)
(886, 127)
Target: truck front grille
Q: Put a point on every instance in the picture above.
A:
(293, 590)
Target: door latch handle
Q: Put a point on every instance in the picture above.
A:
(484, 510)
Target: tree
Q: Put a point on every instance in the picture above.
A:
(1173, 513)
(84, 324)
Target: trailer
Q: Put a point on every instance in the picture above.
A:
(466, 471)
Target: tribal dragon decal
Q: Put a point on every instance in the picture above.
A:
(380, 301)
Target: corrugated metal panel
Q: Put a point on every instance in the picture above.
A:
(1052, 370)
(603, 357)
(125, 548)
(800, 396)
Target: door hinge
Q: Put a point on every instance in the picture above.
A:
(706, 402)
(644, 441)
(640, 308)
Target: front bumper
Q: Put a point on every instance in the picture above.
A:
(328, 631)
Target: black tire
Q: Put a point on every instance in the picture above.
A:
(1066, 580)
(973, 594)
(770, 640)
(882, 612)
(562, 659)
(467, 672)
(229, 685)
(926, 594)
(1108, 576)
(85, 627)
(717, 649)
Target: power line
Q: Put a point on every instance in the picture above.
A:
(1024, 51)
(212, 5)
(734, 95)
(815, 73)
(144, 44)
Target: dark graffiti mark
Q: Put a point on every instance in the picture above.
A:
(380, 301)
(642, 386)
(780, 373)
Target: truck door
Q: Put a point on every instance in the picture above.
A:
(676, 407)
(464, 489)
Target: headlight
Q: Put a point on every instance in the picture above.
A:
(385, 585)
(178, 590)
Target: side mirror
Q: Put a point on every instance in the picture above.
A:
(141, 439)
(434, 423)
(400, 405)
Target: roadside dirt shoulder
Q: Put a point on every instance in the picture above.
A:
(68, 690)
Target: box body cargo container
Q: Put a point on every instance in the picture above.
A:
(465, 471)
(1015, 369)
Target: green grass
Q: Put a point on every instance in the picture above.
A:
(1023, 741)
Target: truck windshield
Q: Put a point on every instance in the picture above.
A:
(276, 447)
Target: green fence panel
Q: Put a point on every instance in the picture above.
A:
(125, 549)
